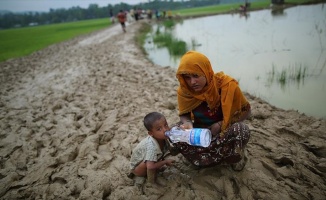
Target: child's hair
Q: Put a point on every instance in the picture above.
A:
(150, 118)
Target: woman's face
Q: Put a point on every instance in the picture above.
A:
(195, 82)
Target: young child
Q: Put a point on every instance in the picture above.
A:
(146, 158)
(122, 19)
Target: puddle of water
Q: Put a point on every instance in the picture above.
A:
(256, 49)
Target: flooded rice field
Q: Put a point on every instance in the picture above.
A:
(277, 55)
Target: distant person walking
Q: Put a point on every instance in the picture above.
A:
(169, 14)
(111, 16)
(137, 14)
(122, 19)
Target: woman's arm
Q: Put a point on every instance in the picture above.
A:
(216, 128)
(246, 114)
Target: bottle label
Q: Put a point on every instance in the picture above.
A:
(195, 136)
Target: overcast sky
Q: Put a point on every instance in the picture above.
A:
(45, 5)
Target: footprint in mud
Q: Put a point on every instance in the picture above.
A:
(56, 107)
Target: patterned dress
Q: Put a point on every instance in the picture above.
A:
(219, 151)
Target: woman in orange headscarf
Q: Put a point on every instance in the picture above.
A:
(215, 101)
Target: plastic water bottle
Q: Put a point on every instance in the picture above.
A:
(196, 136)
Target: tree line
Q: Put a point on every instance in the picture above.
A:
(14, 20)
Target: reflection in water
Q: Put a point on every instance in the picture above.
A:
(278, 11)
(246, 15)
(292, 75)
(264, 52)
(163, 45)
(166, 39)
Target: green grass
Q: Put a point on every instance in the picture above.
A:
(169, 23)
(23, 41)
(175, 47)
(141, 37)
(218, 9)
(298, 1)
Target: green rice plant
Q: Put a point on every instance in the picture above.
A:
(194, 43)
(158, 30)
(299, 74)
(163, 40)
(295, 73)
(282, 77)
(176, 47)
(141, 37)
(273, 69)
(23, 41)
(169, 23)
(271, 75)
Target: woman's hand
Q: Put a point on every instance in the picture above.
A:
(216, 128)
(186, 122)
(186, 125)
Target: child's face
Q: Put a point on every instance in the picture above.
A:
(159, 128)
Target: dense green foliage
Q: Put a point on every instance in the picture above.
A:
(23, 41)
(14, 20)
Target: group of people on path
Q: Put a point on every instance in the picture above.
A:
(206, 100)
(135, 14)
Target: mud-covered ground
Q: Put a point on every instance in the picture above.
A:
(71, 114)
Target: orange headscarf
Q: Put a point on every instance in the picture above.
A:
(231, 99)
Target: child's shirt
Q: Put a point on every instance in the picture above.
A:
(147, 150)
